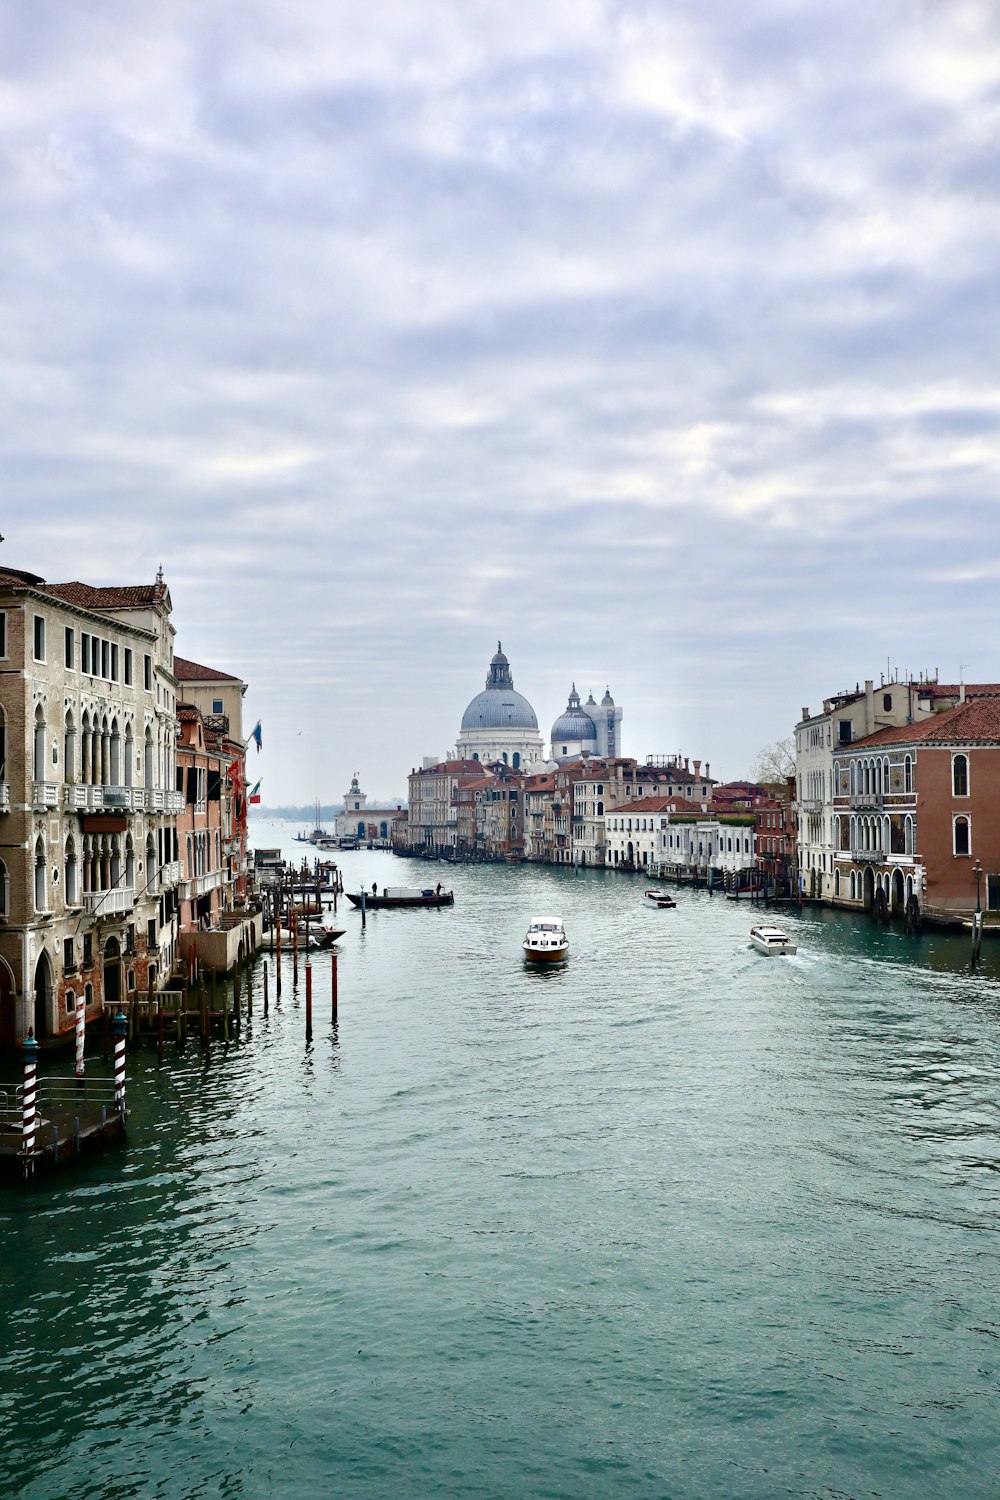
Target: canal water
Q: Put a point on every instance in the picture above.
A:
(674, 1220)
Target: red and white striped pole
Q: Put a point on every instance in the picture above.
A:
(120, 1026)
(29, 1102)
(81, 1033)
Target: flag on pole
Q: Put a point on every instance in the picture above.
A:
(252, 794)
(256, 736)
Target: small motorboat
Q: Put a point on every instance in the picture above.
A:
(772, 940)
(546, 941)
(661, 899)
(318, 938)
(401, 895)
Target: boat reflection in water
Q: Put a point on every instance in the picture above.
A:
(546, 941)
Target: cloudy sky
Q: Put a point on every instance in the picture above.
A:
(658, 340)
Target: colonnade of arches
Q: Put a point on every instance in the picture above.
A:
(871, 776)
(101, 750)
(874, 833)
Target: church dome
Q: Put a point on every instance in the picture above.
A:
(499, 706)
(574, 724)
(607, 701)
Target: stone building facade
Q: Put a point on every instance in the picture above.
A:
(87, 798)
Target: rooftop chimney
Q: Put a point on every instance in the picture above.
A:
(697, 768)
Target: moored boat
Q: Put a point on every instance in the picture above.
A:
(660, 899)
(401, 895)
(772, 940)
(546, 941)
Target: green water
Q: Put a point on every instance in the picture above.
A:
(675, 1220)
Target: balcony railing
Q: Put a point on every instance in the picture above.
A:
(109, 903)
(170, 874)
(868, 856)
(861, 800)
(4, 797)
(44, 794)
(118, 797)
(200, 885)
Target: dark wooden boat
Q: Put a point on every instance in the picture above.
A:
(401, 895)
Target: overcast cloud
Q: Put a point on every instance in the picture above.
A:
(658, 340)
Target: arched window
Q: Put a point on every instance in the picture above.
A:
(41, 890)
(962, 836)
(69, 748)
(71, 877)
(907, 774)
(104, 778)
(115, 873)
(600, 808)
(836, 882)
(908, 834)
(151, 862)
(854, 886)
(516, 760)
(147, 769)
(39, 755)
(129, 753)
(115, 769)
(129, 863)
(960, 775)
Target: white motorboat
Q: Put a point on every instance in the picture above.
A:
(661, 899)
(772, 940)
(546, 941)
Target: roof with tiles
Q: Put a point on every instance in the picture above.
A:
(17, 578)
(127, 596)
(193, 671)
(977, 721)
(654, 804)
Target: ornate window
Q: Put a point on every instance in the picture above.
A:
(960, 775)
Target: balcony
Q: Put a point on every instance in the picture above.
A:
(868, 856)
(4, 797)
(170, 875)
(200, 885)
(117, 797)
(44, 794)
(109, 903)
(866, 801)
(811, 804)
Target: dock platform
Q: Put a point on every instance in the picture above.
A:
(73, 1116)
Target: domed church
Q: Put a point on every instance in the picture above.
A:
(499, 723)
(590, 729)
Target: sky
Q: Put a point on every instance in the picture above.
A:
(657, 340)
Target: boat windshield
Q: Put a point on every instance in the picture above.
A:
(545, 927)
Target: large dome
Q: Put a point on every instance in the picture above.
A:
(499, 709)
(574, 725)
(499, 706)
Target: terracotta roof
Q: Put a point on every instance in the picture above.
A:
(977, 720)
(128, 596)
(192, 671)
(187, 713)
(656, 804)
(19, 579)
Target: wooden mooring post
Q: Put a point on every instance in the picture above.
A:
(333, 985)
(309, 1001)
